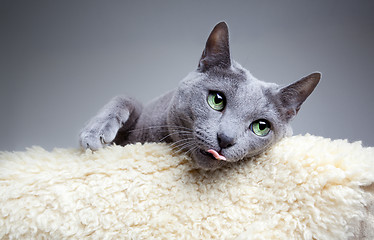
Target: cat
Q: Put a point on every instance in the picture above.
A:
(218, 114)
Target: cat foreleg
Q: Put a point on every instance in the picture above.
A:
(120, 113)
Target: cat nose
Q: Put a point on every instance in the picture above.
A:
(225, 141)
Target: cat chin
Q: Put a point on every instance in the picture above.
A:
(206, 161)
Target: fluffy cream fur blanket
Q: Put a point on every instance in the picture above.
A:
(305, 187)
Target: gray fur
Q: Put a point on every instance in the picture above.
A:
(183, 117)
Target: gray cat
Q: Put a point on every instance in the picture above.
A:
(219, 113)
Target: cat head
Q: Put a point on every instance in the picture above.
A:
(224, 114)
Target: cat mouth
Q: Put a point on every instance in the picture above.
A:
(214, 155)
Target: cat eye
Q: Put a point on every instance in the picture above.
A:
(216, 100)
(260, 127)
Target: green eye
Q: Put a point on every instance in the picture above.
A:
(260, 127)
(216, 100)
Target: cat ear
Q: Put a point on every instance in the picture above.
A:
(216, 52)
(292, 96)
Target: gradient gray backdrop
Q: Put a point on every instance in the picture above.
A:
(60, 61)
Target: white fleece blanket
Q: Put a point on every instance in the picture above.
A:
(305, 187)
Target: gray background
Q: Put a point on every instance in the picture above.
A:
(61, 61)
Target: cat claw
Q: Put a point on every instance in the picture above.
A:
(99, 134)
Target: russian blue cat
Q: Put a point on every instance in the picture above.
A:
(219, 113)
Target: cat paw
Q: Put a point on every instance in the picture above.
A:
(99, 133)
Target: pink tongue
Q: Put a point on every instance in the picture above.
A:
(216, 155)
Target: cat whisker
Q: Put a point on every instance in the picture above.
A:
(183, 147)
(181, 133)
(181, 142)
(168, 127)
(193, 149)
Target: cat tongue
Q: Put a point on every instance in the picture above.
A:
(216, 155)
